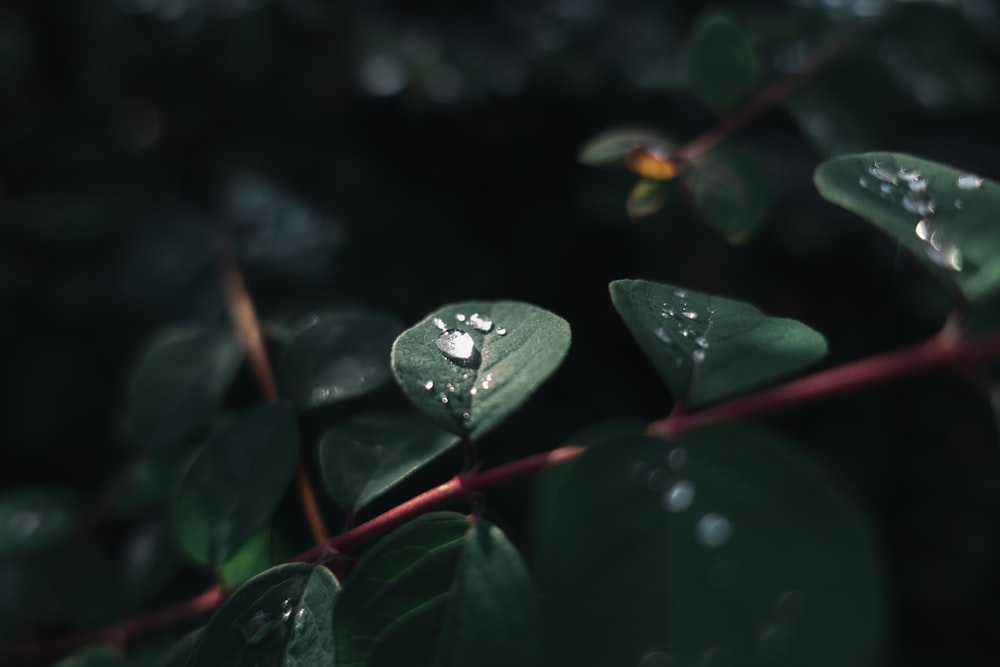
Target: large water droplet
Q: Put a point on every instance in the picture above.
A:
(713, 530)
(679, 497)
(456, 344)
(938, 248)
(969, 182)
(908, 175)
(480, 322)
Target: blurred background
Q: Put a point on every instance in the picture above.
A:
(401, 155)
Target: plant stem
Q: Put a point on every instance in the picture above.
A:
(942, 350)
(246, 325)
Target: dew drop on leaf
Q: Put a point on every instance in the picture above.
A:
(679, 496)
(480, 322)
(713, 530)
(456, 345)
(969, 182)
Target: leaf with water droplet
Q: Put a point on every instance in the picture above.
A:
(178, 383)
(728, 348)
(442, 590)
(767, 540)
(365, 456)
(34, 520)
(282, 616)
(646, 198)
(611, 147)
(236, 482)
(720, 62)
(504, 365)
(948, 225)
(730, 191)
(344, 354)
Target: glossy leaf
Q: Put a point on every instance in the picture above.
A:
(441, 590)
(646, 198)
(178, 383)
(236, 482)
(344, 354)
(720, 62)
(367, 455)
(468, 377)
(730, 191)
(945, 216)
(611, 147)
(283, 616)
(707, 347)
(34, 520)
(723, 547)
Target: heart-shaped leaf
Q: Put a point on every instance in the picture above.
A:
(283, 616)
(178, 383)
(236, 482)
(945, 216)
(725, 547)
(343, 354)
(442, 590)
(720, 62)
(730, 191)
(367, 455)
(469, 365)
(707, 347)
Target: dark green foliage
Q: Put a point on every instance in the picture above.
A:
(720, 62)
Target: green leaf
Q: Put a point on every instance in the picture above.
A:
(283, 616)
(730, 191)
(367, 455)
(265, 549)
(946, 217)
(611, 147)
(344, 354)
(469, 365)
(646, 198)
(179, 653)
(94, 656)
(34, 520)
(720, 62)
(178, 383)
(441, 590)
(723, 547)
(236, 482)
(707, 347)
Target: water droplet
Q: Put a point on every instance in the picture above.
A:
(460, 317)
(485, 384)
(690, 314)
(918, 205)
(882, 174)
(320, 393)
(918, 186)
(886, 188)
(713, 530)
(456, 345)
(969, 182)
(677, 458)
(301, 616)
(501, 331)
(443, 398)
(261, 624)
(662, 334)
(473, 391)
(451, 387)
(480, 322)
(939, 250)
(429, 385)
(680, 294)
(698, 356)
(467, 416)
(685, 332)
(439, 323)
(923, 230)
(701, 342)
(863, 182)
(908, 175)
(679, 496)
(958, 203)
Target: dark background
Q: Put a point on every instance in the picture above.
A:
(430, 149)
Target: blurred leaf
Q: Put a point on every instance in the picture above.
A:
(94, 656)
(469, 365)
(283, 616)
(707, 347)
(442, 590)
(946, 217)
(611, 147)
(646, 198)
(343, 354)
(263, 550)
(730, 191)
(152, 483)
(35, 520)
(724, 547)
(367, 455)
(834, 121)
(236, 482)
(279, 233)
(178, 383)
(720, 62)
(180, 652)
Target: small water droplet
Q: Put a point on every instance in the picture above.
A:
(680, 294)
(467, 416)
(969, 182)
(460, 317)
(685, 332)
(501, 331)
(909, 175)
(677, 457)
(886, 188)
(480, 322)
(300, 619)
(473, 391)
(918, 205)
(863, 182)
(451, 387)
(456, 345)
(713, 530)
(698, 356)
(439, 323)
(690, 314)
(429, 385)
(882, 174)
(261, 624)
(958, 203)
(679, 497)
(662, 334)
(918, 186)
(443, 398)
(485, 384)
(320, 393)
(701, 342)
